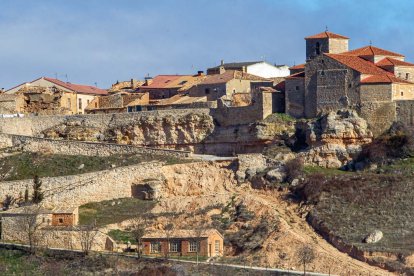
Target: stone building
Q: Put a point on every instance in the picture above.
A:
(166, 86)
(116, 103)
(257, 68)
(370, 80)
(226, 84)
(209, 243)
(80, 95)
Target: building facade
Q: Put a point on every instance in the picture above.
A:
(257, 68)
(208, 243)
(369, 79)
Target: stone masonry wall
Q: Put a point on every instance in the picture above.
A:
(75, 190)
(405, 112)
(34, 144)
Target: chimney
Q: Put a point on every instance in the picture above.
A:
(200, 73)
(222, 69)
(148, 81)
(222, 62)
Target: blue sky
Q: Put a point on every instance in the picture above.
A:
(104, 41)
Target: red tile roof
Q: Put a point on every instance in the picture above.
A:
(161, 81)
(358, 64)
(372, 51)
(388, 78)
(299, 66)
(297, 75)
(366, 67)
(79, 88)
(392, 62)
(326, 35)
(281, 86)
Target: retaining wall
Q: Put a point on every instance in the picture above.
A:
(75, 190)
(34, 144)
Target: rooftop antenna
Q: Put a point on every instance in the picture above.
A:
(56, 75)
(370, 43)
(326, 28)
(96, 84)
(66, 75)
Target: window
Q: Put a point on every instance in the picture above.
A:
(349, 85)
(193, 246)
(96, 105)
(60, 220)
(318, 48)
(155, 247)
(322, 73)
(80, 103)
(217, 247)
(297, 87)
(402, 93)
(87, 102)
(407, 75)
(175, 246)
(207, 91)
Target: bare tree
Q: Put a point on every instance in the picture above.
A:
(87, 234)
(306, 255)
(199, 232)
(138, 228)
(8, 201)
(29, 223)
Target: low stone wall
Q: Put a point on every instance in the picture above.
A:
(34, 144)
(54, 237)
(75, 190)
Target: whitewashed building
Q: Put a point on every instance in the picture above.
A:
(258, 68)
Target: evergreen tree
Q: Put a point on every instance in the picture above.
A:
(37, 190)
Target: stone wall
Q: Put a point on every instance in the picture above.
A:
(405, 112)
(75, 190)
(260, 108)
(295, 97)
(34, 144)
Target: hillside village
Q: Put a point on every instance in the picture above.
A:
(239, 163)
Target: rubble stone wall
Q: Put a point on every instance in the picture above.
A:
(75, 190)
(34, 144)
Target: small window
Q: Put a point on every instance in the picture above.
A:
(297, 87)
(407, 76)
(193, 246)
(43, 220)
(322, 73)
(96, 105)
(87, 102)
(217, 247)
(402, 93)
(155, 247)
(175, 246)
(80, 103)
(318, 48)
(60, 220)
(207, 91)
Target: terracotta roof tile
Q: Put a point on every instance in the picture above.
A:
(378, 75)
(297, 75)
(299, 66)
(161, 81)
(79, 88)
(393, 62)
(326, 35)
(372, 51)
(180, 233)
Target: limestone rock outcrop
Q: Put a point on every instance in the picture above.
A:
(374, 237)
(335, 139)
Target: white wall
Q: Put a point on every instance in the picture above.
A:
(266, 70)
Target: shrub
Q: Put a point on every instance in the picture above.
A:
(294, 169)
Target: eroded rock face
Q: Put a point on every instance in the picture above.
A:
(335, 139)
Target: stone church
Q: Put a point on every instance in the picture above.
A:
(378, 83)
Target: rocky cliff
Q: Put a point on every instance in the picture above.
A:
(335, 139)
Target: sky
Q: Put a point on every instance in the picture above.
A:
(103, 41)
